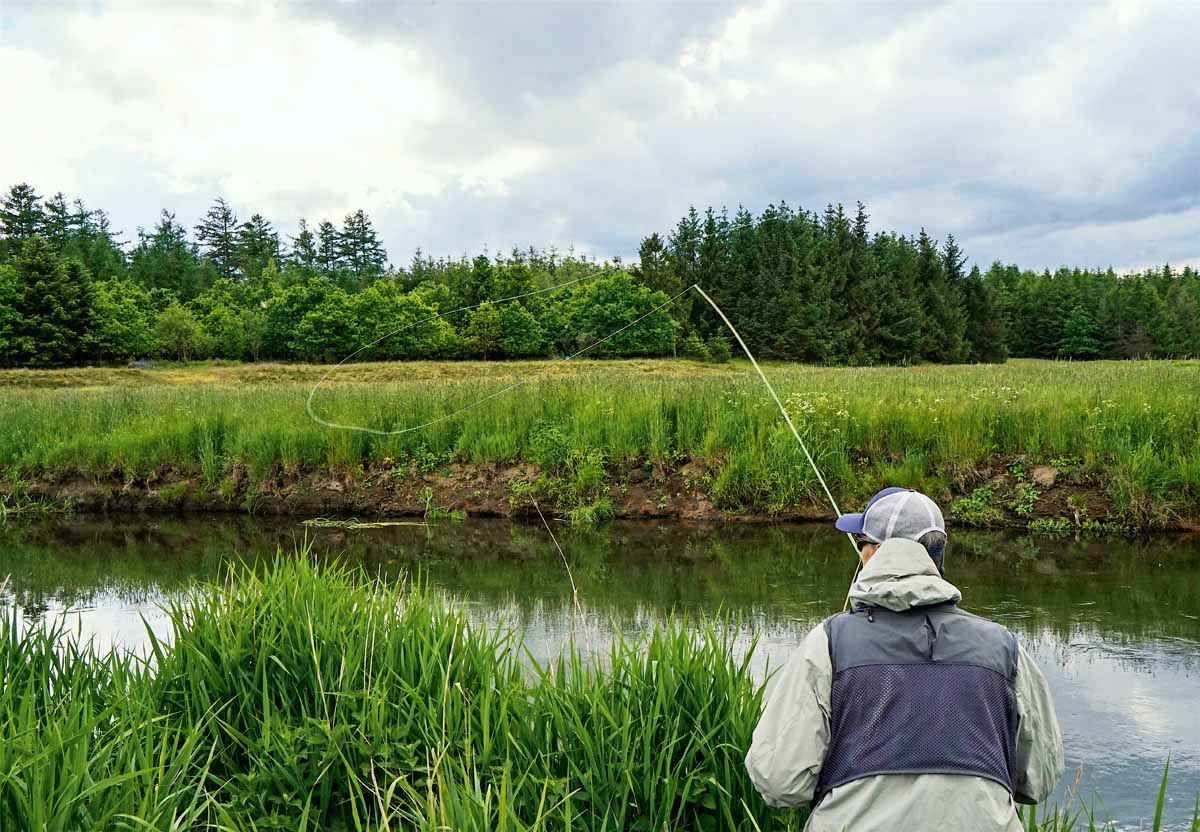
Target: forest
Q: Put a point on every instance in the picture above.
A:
(816, 287)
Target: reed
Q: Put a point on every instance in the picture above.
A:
(303, 697)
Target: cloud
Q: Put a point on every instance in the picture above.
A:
(1040, 134)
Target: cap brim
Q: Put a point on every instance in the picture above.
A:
(850, 523)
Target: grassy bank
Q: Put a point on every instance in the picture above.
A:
(1061, 446)
(304, 698)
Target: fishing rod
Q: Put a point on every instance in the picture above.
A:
(533, 377)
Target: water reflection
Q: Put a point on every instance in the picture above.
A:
(1113, 624)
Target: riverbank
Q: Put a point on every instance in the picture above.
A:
(1058, 447)
(294, 696)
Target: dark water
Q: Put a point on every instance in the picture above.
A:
(1115, 625)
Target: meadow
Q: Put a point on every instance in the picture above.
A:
(302, 697)
(1122, 438)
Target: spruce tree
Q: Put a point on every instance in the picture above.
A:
(328, 258)
(56, 223)
(304, 249)
(53, 302)
(942, 336)
(217, 235)
(359, 248)
(898, 332)
(164, 260)
(985, 336)
(257, 244)
(1079, 336)
(21, 217)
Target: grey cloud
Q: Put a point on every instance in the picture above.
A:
(1040, 134)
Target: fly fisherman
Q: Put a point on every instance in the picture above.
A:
(906, 713)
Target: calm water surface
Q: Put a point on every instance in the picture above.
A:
(1115, 625)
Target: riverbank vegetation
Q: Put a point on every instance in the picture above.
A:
(301, 697)
(1067, 447)
(818, 287)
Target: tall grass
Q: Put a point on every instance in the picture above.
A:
(301, 697)
(1131, 429)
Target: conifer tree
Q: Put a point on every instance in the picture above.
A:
(304, 249)
(985, 337)
(21, 217)
(942, 336)
(217, 235)
(359, 248)
(328, 258)
(257, 244)
(53, 303)
(56, 223)
(165, 260)
(1079, 336)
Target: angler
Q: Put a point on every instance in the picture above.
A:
(906, 712)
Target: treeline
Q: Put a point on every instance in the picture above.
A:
(799, 285)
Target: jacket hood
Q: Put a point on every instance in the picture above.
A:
(901, 575)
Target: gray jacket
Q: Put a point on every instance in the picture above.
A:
(792, 737)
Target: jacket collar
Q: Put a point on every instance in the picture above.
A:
(901, 576)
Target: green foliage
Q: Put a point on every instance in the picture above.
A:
(407, 324)
(483, 332)
(122, 322)
(521, 336)
(12, 344)
(1024, 499)
(693, 347)
(1133, 431)
(53, 306)
(808, 286)
(295, 696)
(1079, 338)
(719, 351)
(977, 509)
(177, 334)
(614, 305)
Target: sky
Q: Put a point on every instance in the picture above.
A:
(1043, 134)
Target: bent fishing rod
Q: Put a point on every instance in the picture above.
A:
(533, 377)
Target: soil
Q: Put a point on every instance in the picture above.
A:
(634, 492)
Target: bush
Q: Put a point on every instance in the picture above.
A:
(719, 351)
(694, 348)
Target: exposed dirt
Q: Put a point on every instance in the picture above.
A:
(1014, 494)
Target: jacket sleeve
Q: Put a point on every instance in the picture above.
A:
(1039, 740)
(792, 736)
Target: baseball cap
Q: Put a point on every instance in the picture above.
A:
(895, 512)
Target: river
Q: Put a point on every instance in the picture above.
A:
(1114, 624)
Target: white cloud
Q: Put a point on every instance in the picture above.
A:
(1041, 134)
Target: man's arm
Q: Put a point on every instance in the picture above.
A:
(792, 736)
(1039, 740)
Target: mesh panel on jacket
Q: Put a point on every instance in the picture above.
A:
(920, 718)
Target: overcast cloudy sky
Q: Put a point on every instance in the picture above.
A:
(1040, 134)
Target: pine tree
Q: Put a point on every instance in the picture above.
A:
(942, 336)
(898, 334)
(21, 217)
(656, 271)
(164, 260)
(217, 235)
(685, 249)
(359, 248)
(985, 336)
(82, 221)
(56, 223)
(328, 258)
(1079, 336)
(53, 302)
(257, 244)
(304, 249)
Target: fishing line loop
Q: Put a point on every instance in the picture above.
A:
(495, 394)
